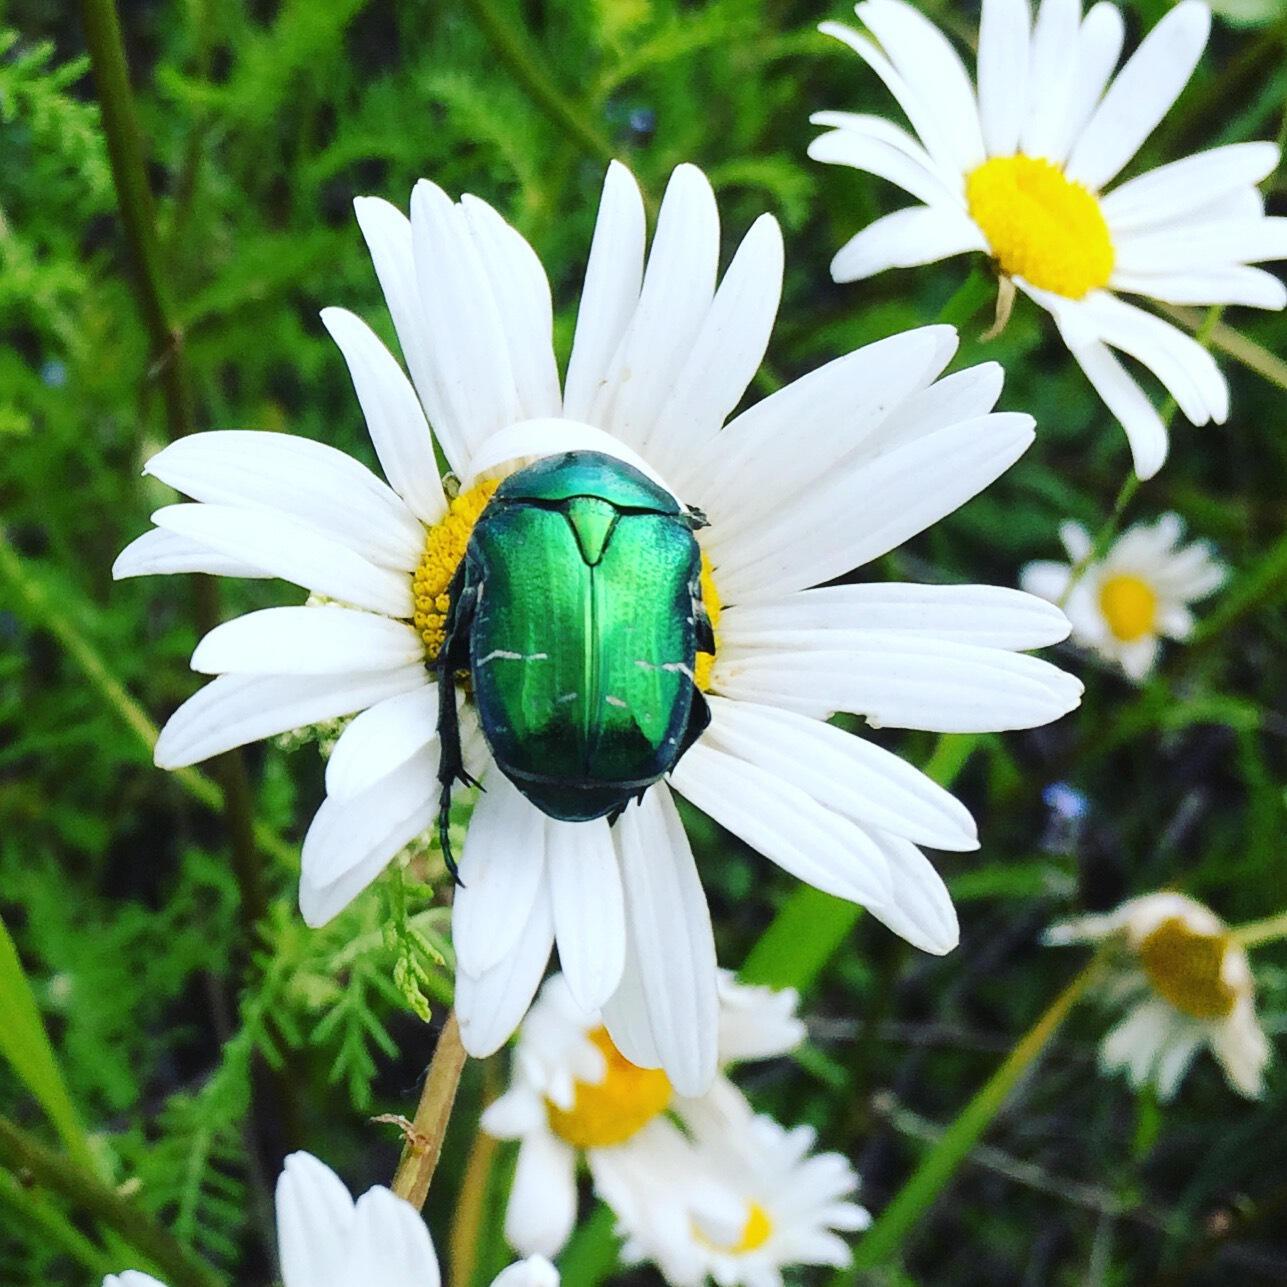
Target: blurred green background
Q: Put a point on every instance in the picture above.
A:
(194, 1061)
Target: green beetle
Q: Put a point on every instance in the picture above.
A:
(577, 612)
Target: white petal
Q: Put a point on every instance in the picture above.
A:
(1046, 579)
(589, 914)
(542, 1200)
(314, 1221)
(132, 1278)
(678, 287)
(158, 553)
(1230, 284)
(535, 1271)
(989, 616)
(388, 237)
(920, 909)
(785, 823)
(325, 640)
(1052, 72)
(906, 239)
(924, 57)
(462, 320)
(286, 548)
(522, 293)
(381, 739)
(350, 842)
(625, 1014)
(1126, 400)
(394, 417)
(963, 395)
(726, 352)
(669, 921)
(1003, 73)
(796, 436)
(1190, 243)
(611, 290)
(390, 1245)
(842, 772)
(880, 130)
(1168, 191)
(307, 481)
(1141, 94)
(491, 1005)
(907, 681)
(1099, 46)
(501, 871)
(865, 511)
(235, 709)
(918, 177)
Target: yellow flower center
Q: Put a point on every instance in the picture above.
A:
(1129, 605)
(612, 1110)
(1041, 225)
(1184, 968)
(705, 662)
(757, 1230)
(444, 548)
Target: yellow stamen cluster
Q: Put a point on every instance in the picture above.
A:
(705, 662)
(1129, 605)
(1184, 967)
(1041, 225)
(612, 1110)
(755, 1232)
(444, 548)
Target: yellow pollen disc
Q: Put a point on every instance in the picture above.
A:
(705, 662)
(1041, 225)
(757, 1230)
(1184, 968)
(611, 1111)
(444, 548)
(1129, 605)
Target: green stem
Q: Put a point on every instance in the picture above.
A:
(880, 1243)
(1255, 933)
(524, 65)
(969, 297)
(52, 1227)
(25, 1155)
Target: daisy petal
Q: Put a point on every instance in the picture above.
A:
(306, 481)
(394, 417)
(1187, 243)
(906, 239)
(843, 772)
(235, 709)
(349, 842)
(381, 739)
(784, 823)
(1052, 74)
(1003, 73)
(491, 1005)
(501, 872)
(589, 914)
(314, 1221)
(906, 681)
(541, 1211)
(158, 553)
(326, 640)
(1141, 94)
(921, 909)
(1126, 400)
(625, 1014)
(1099, 46)
(670, 924)
(283, 547)
(875, 156)
(535, 1271)
(963, 395)
(1231, 284)
(611, 290)
(390, 1245)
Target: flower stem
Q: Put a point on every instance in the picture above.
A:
(22, 1153)
(51, 1226)
(427, 1131)
(880, 1243)
(1255, 933)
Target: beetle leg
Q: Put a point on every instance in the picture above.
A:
(699, 717)
(453, 655)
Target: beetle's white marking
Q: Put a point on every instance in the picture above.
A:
(567, 697)
(672, 666)
(614, 701)
(503, 654)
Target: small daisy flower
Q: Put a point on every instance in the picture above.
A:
(575, 1094)
(1184, 983)
(1019, 170)
(738, 1201)
(1123, 605)
(325, 1239)
(825, 475)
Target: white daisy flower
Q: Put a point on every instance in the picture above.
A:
(739, 1201)
(1019, 169)
(325, 1239)
(1124, 604)
(825, 475)
(1184, 983)
(574, 1093)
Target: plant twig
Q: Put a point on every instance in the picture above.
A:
(1257, 932)
(425, 1134)
(52, 1226)
(22, 1153)
(471, 1205)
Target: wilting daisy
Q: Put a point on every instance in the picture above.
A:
(739, 1200)
(1124, 604)
(1019, 170)
(1184, 983)
(574, 1094)
(825, 475)
(325, 1239)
